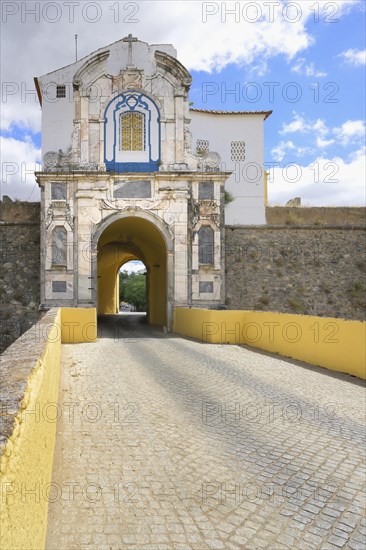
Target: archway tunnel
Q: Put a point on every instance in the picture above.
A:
(133, 238)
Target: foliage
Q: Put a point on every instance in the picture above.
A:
(228, 197)
(132, 289)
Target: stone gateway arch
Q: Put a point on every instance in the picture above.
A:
(129, 173)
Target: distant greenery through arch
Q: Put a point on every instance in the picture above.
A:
(132, 288)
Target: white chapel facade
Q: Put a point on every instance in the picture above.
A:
(131, 172)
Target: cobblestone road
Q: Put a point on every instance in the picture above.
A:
(168, 443)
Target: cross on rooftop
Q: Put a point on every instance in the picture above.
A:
(130, 39)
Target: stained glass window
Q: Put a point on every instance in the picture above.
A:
(132, 131)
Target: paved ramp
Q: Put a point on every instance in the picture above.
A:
(168, 443)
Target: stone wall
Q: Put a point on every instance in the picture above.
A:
(315, 215)
(306, 260)
(312, 269)
(20, 269)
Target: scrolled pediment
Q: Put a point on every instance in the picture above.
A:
(173, 67)
(94, 66)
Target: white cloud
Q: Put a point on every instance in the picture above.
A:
(207, 46)
(133, 266)
(299, 124)
(324, 182)
(19, 107)
(296, 125)
(319, 126)
(350, 131)
(279, 152)
(357, 58)
(307, 69)
(322, 143)
(20, 159)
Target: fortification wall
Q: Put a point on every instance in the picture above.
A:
(305, 260)
(308, 263)
(20, 269)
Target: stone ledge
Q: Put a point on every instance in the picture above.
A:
(18, 363)
(6, 223)
(319, 227)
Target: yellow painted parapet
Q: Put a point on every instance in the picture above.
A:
(30, 372)
(29, 428)
(336, 344)
(78, 325)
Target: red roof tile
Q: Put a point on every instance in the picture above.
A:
(266, 113)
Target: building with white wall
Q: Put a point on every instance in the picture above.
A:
(130, 171)
(238, 137)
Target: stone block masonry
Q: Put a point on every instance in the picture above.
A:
(306, 269)
(20, 269)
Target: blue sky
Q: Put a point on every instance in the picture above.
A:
(318, 56)
(328, 92)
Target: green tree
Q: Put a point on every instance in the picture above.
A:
(133, 290)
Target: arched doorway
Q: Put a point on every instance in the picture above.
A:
(134, 236)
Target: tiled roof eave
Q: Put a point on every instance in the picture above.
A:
(213, 112)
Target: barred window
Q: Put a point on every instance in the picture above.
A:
(238, 150)
(132, 131)
(202, 146)
(206, 245)
(60, 90)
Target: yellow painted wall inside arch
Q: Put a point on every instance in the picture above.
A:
(78, 324)
(336, 344)
(128, 239)
(109, 262)
(26, 465)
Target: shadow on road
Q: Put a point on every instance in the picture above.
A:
(128, 326)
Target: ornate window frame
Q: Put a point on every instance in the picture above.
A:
(118, 160)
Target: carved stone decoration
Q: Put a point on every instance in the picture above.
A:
(132, 80)
(50, 160)
(94, 214)
(206, 210)
(127, 80)
(54, 161)
(170, 218)
(189, 155)
(120, 204)
(77, 82)
(65, 163)
(188, 140)
(59, 210)
(75, 137)
(69, 216)
(209, 162)
(49, 216)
